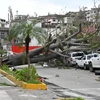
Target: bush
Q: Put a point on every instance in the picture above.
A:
(73, 98)
(5, 67)
(28, 75)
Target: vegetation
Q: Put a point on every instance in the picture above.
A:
(2, 52)
(73, 98)
(93, 40)
(21, 30)
(6, 69)
(22, 74)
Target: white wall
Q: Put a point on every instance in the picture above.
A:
(34, 42)
(2, 22)
(68, 20)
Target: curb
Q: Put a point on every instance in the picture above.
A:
(68, 99)
(65, 99)
(22, 84)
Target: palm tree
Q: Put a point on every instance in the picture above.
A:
(27, 31)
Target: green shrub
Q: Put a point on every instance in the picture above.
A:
(79, 98)
(5, 67)
(28, 75)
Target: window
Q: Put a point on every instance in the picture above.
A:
(16, 41)
(78, 54)
(95, 55)
(90, 56)
(84, 58)
(94, 11)
(2, 20)
(2, 34)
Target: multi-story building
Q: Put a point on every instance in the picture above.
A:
(93, 15)
(4, 30)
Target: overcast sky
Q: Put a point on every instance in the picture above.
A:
(42, 7)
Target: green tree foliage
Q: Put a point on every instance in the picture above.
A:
(93, 40)
(21, 30)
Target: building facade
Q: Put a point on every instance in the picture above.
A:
(4, 31)
(93, 15)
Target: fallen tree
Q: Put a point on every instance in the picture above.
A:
(38, 55)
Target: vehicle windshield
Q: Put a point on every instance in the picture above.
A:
(89, 56)
(77, 54)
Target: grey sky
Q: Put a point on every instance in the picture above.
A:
(42, 7)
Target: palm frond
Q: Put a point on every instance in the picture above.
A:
(22, 29)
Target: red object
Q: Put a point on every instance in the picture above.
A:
(91, 29)
(71, 59)
(40, 79)
(20, 49)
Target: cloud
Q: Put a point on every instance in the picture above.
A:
(24, 7)
(38, 6)
(42, 7)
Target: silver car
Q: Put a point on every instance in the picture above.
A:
(72, 57)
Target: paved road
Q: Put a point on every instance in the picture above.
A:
(72, 82)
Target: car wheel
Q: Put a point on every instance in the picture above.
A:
(69, 64)
(91, 68)
(85, 67)
(76, 66)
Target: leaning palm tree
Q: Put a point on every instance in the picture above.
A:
(26, 31)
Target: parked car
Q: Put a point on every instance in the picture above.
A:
(84, 61)
(94, 62)
(72, 57)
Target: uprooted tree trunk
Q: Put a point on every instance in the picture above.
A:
(38, 55)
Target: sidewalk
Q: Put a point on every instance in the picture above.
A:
(5, 84)
(4, 80)
(8, 91)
